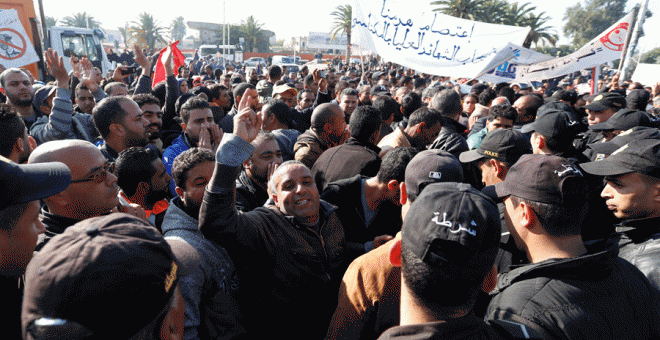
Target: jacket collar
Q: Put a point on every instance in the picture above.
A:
(55, 223)
(597, 263)
(368, 145)
(640, 230)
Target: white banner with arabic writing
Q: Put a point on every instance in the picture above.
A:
(16, 48)
(411, 34)
(606, 47)
(506, 72)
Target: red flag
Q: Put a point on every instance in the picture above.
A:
(178, 59)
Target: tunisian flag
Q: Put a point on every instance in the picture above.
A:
(178, 59)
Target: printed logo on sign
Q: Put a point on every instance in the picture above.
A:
(12, 44)
(615, 38)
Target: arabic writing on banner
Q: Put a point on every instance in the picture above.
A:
(506, 72)
(16, 48)
(411, 34)
(606, 47)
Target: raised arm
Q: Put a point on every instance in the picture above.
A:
(218, 215)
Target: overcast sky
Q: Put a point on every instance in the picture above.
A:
(286, 18)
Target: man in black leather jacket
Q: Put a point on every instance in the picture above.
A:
(632, 192)
(570, 289)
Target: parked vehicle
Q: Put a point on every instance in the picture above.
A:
(255, 61)
(284, 61)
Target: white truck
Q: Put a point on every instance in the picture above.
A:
(79, 42)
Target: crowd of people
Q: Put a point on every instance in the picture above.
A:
(335, 202)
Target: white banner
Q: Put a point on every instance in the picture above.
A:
(647, 74)
(411, 34)
(606, 47)
(16, 48)
(506, 72)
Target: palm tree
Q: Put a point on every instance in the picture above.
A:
(515, 15)
(342, 25)
(464, 9)
(493, 11)
(252, 31)
(177, 29)
(125, 34)
(147, 31)
(539, 32)
(50, 21)
(82, 20)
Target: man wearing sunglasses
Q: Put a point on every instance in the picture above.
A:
(93, 190)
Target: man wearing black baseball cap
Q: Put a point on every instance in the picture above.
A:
(112, 277)
(22, 187)
(448, 245)
(500, 149)
(632, 192)
(623, 120)
(369, 294)
(568, 290)
(601, 109)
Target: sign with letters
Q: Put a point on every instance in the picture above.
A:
(506, 72)
(411, 34)
(605, 47)
(16, 48)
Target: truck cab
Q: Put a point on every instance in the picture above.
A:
(80, 42)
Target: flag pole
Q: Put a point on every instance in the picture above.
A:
(632, 41)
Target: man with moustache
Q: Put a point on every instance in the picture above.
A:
(151, 111)
(121, 124)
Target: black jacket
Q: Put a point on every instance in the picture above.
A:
(346, 194)
(593, 296)
(346, 160)
(640, 245)
(12, 297)
(249, 196)
(467, 327)
(54, 224)
(451, 138)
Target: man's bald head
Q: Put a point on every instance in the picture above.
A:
(324, 113)
(59, 151)
(93, 190)
(501, 101)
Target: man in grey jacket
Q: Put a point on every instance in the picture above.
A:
(211, 277)
(63, 122)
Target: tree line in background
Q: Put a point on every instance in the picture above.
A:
(147, 31)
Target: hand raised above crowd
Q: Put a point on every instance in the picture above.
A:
(247, 122)
(56, 68)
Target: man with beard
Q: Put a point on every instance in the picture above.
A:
(253, 76)
(18, 89)
(199, 130)
(143, 180)
(121, 124)
(152, 112)
(252, 182)
(15, 144)
(84, 99)
(213, 272)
